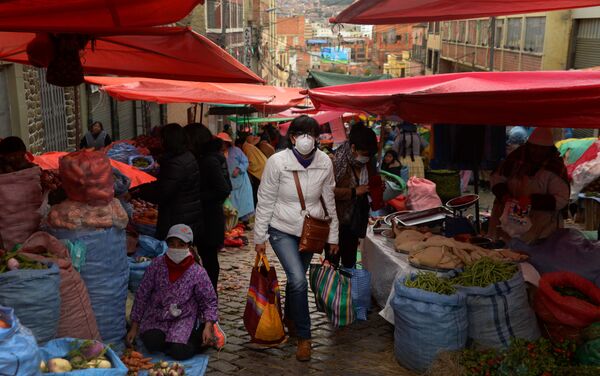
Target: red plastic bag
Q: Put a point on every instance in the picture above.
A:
(262, 315)
(87, 177)
(398, 203)
(422, 194)
(376, 188)
(552, 307)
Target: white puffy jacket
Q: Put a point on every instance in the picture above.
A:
(278, 203)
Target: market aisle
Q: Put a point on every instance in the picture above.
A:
(365, 348)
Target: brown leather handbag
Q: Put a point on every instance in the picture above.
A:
(315, 231)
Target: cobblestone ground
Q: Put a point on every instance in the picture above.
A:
(364, 348)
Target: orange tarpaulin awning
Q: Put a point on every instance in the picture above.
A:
(159, 52)
(545, 99)
(90, 16)
(268, 99)
(382, 12)
(49, 161)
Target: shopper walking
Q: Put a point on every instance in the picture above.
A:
(237, 164)
(215, 187)
(353, 168)
(410, 145)
(279, 217)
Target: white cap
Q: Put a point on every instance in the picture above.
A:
(541, 137)
(182, 232)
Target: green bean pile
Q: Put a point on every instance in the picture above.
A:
(429, 281)
(485, 272)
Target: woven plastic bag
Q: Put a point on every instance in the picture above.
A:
(35, 297)
(262, 315)
(76, 316)
(333, 293)
(19, 352)
(361, 292)
(21, 200)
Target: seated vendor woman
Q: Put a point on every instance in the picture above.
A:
(535, 176)
(175, 307)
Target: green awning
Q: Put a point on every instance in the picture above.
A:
(322, 79)
(257, 120)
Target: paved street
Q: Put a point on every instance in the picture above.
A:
(365, 348)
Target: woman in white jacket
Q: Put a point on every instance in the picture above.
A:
(279, 217)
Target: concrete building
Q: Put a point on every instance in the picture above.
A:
(390, 39)
(537, 41)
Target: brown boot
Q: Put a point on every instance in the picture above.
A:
(304, 350)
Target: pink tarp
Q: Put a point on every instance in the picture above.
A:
(381, 12)
(90, 16)
(321, 117)
(544, 99)
(268, 99)
(160, 52)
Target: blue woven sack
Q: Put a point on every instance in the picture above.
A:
(361, 292)
(19, 353)
(59, 348)
(148, 247)
(106, 276)
(426, 324)
(35, 297)
(121, 152)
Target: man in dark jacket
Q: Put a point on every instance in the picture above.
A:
(177, 189)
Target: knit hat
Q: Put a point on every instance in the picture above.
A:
(182, 232)
(541, 137)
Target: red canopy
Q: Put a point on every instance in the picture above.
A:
(90, 16)
(50, 161)
(160, 52)
(381, 12)
(545, 99)
(269, 99)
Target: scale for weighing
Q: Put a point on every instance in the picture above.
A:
(451, 214)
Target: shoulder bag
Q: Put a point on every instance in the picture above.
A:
(315, 231)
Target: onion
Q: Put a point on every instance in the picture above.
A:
(91, 350)
(12, 264)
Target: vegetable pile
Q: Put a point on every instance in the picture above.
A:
(152, 144)
(144, 212)
(87, 176)
(485, 272)
(73, 215)
(135, 362)
(85, 355)
(166, 369)
(14, 261)
(140, 162)
(429, 281)
(50, 180)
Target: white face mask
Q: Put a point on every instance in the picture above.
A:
(177, 255)
(362, 159)
(305, 144)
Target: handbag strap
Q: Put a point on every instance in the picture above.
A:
(264, 260)
(301, 196)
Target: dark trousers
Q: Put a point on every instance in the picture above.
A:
(348, 244)
(155, 341)
(210, 261)
(255, 183)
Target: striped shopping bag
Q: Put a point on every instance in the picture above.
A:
(333, 293)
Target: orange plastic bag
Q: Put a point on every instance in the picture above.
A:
(87, 177)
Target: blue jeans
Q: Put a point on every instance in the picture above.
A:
(295, 265)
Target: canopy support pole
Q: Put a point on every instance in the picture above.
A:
(201, 112)
(476, 191)
(492, 39)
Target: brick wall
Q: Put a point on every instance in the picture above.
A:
(531, 63)
(510, 61)
(35, 124)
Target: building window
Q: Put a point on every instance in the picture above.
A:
(472, 32)
(513, 34)
(236, 14)
(483, 35)
(436, 58)
(535, 28)
(390, 37)
(429, 58)
(462, 31)
(213, 14)
(431, 27)
(437, 27)
(445, 31)
(499, 33)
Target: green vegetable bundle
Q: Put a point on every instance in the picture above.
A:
(13, 261)
(485, 272)
(429, 281)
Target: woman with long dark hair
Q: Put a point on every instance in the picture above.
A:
(215, 187)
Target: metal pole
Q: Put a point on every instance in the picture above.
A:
(492, 38)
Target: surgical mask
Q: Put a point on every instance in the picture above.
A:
(305, 144)
(362, 159)
(177, 255)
